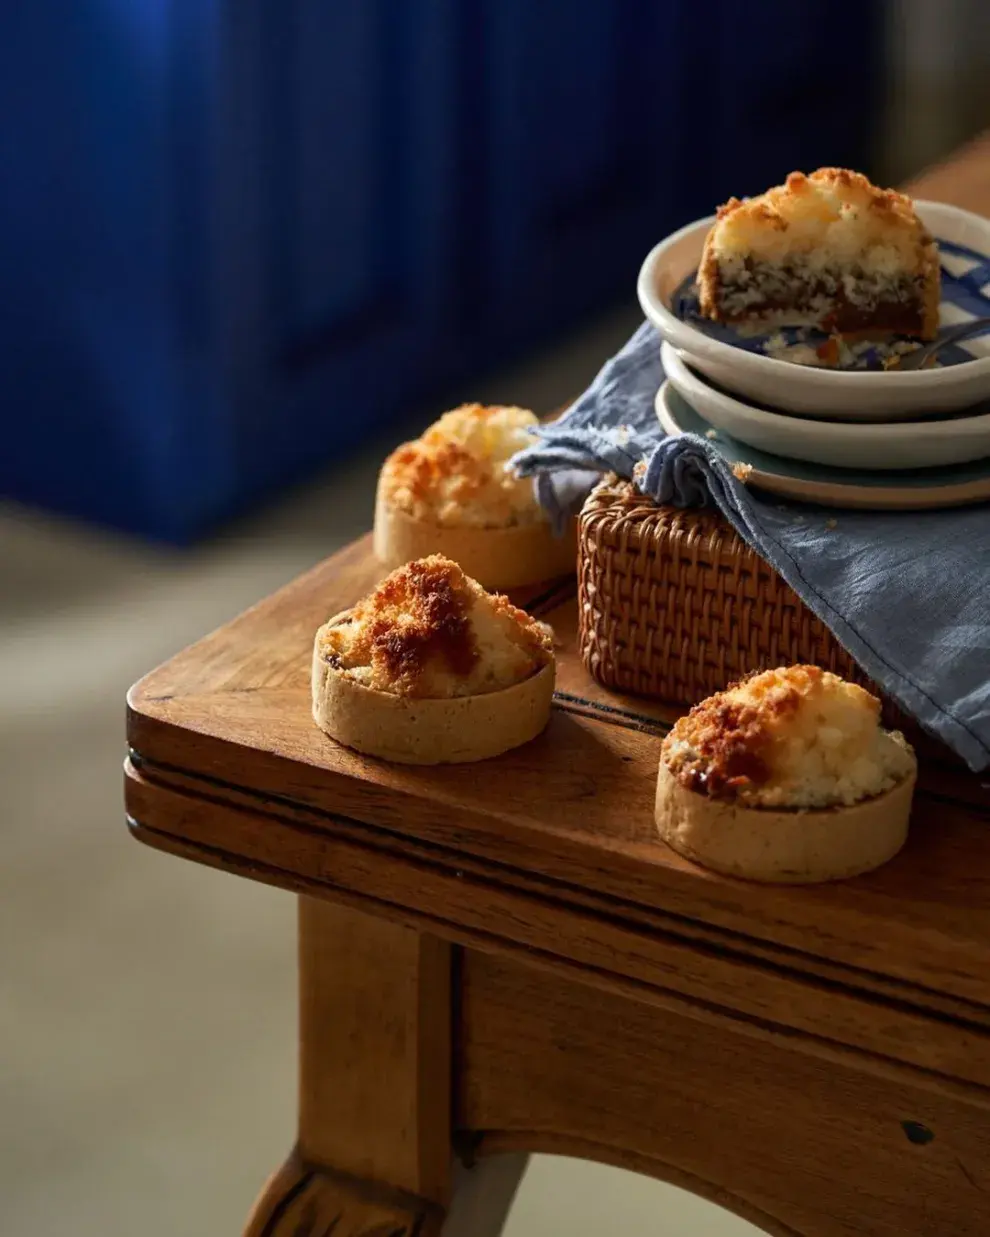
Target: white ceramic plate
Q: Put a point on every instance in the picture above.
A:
(842, 444)
(831, 394)
(954, 486)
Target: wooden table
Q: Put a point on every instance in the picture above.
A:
(503, 957)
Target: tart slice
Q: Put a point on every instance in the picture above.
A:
(786, 777)
(830, 251)
(450, 492)
(431, 669)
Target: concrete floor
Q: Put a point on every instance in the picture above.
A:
(147, 1055)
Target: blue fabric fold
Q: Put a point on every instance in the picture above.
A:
(906, 593)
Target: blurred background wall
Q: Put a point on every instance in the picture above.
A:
(936, 82)
(240, 237)
(243, 241)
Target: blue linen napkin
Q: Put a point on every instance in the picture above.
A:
(906, 593)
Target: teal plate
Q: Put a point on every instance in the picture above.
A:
(955, 485)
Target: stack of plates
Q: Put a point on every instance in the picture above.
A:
(879, 439)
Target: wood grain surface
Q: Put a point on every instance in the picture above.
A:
(301, 1201)
(374, 1049)
(654, 957)
(503, 957)
(797, 1146)
(574, 806)
(374, 1144)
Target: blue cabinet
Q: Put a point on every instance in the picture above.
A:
(238, 236)
(338, 276)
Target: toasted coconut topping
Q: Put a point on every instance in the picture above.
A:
(793, 737)
(456, 474)
(829, 250)
(835, 212)
(429, 630)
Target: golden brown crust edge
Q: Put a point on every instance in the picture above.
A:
(933, 292)
(498, 558)
(708, 277)
(783, 847)
(419, 731)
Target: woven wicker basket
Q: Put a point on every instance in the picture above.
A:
(674, 605)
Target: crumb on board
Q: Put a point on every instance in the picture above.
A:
(741, 471)
(711, 433)
(831, 524)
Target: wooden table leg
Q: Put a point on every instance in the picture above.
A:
(483, 1195)
(374, 1152)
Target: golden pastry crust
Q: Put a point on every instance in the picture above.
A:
(830, 250)
(430, 631)
(428, 731)
(451, 492)
(783, 846)
(431, 669)
(498, 558)
(792, 737)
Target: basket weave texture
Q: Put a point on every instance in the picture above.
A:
(675, 605)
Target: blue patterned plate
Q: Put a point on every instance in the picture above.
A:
(741, 365)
